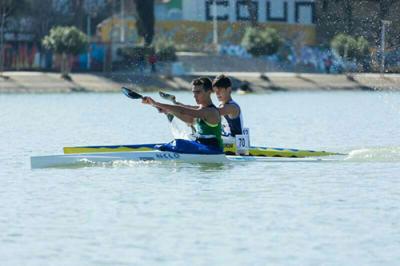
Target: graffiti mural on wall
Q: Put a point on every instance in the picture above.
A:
(197, 34)
(29, 56)
(25, 56)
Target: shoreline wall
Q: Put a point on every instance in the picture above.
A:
(43, 82)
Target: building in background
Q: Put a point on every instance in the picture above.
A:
(168, 10)
(189, 23)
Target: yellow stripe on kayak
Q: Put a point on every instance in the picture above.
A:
(275, 152)
(229, 149)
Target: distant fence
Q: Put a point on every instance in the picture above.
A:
(28, 56)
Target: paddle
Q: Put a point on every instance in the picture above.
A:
(134, 95)
(171, 98)
(167, 96)
(131, 94)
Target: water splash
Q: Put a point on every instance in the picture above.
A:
(379, 154)
(86, 163)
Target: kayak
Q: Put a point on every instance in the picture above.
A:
(229, 149)
(88, 155)
(88, 159)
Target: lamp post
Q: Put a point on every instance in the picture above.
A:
(91, 8)
(89, 20)
(215, 25)
(383, 32)
(122, 39)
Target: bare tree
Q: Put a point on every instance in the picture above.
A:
(78, 13)
(384, 9)
(43, 16)
(348, 11)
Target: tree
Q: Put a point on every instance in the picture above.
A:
(66, 41)
(363, 48)
(260, 42)
(8, 8)
(348, 10)
(166, 51)
(384, 7)
(78, 13)
(344, 45)
(350, 48)
(42, 15)
(383, 11)
(145, 20)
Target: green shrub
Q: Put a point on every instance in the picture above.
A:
(134, 54)
(349, 47)
(166, 51)
(66, 40)
(363, 48)
(259, 42)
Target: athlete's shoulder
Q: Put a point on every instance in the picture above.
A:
(233, 105)
(230, 109)
(233, 102)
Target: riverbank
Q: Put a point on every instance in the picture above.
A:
(44, 82)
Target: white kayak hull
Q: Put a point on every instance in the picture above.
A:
(86, 159)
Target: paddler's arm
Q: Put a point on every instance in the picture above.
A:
(172, 98)
(210, 115)
(185, 118)
(185, 105)
(229, 109)
(161, 107)
(205, 114)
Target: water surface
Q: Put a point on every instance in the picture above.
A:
(330, 213)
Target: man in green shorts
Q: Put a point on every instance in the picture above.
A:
(205, 118)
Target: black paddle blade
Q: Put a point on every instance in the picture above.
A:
(170, 117)
(167, 96)
(131, 94)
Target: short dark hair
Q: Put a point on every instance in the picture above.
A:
(222, 81)
(204, 82)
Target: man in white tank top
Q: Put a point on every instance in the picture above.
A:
(228, 108)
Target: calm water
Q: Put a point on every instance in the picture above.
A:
(330, 213)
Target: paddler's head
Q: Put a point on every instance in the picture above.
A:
(222, 87)
(202, 89)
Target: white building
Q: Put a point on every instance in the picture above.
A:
(284, 11)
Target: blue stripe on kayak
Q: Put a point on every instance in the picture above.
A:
(133, 146)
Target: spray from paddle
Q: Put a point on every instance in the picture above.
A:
(379, 154)
(179, 129)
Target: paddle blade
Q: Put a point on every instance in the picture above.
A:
(170, 117)
(167, 96)
(131, 94)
